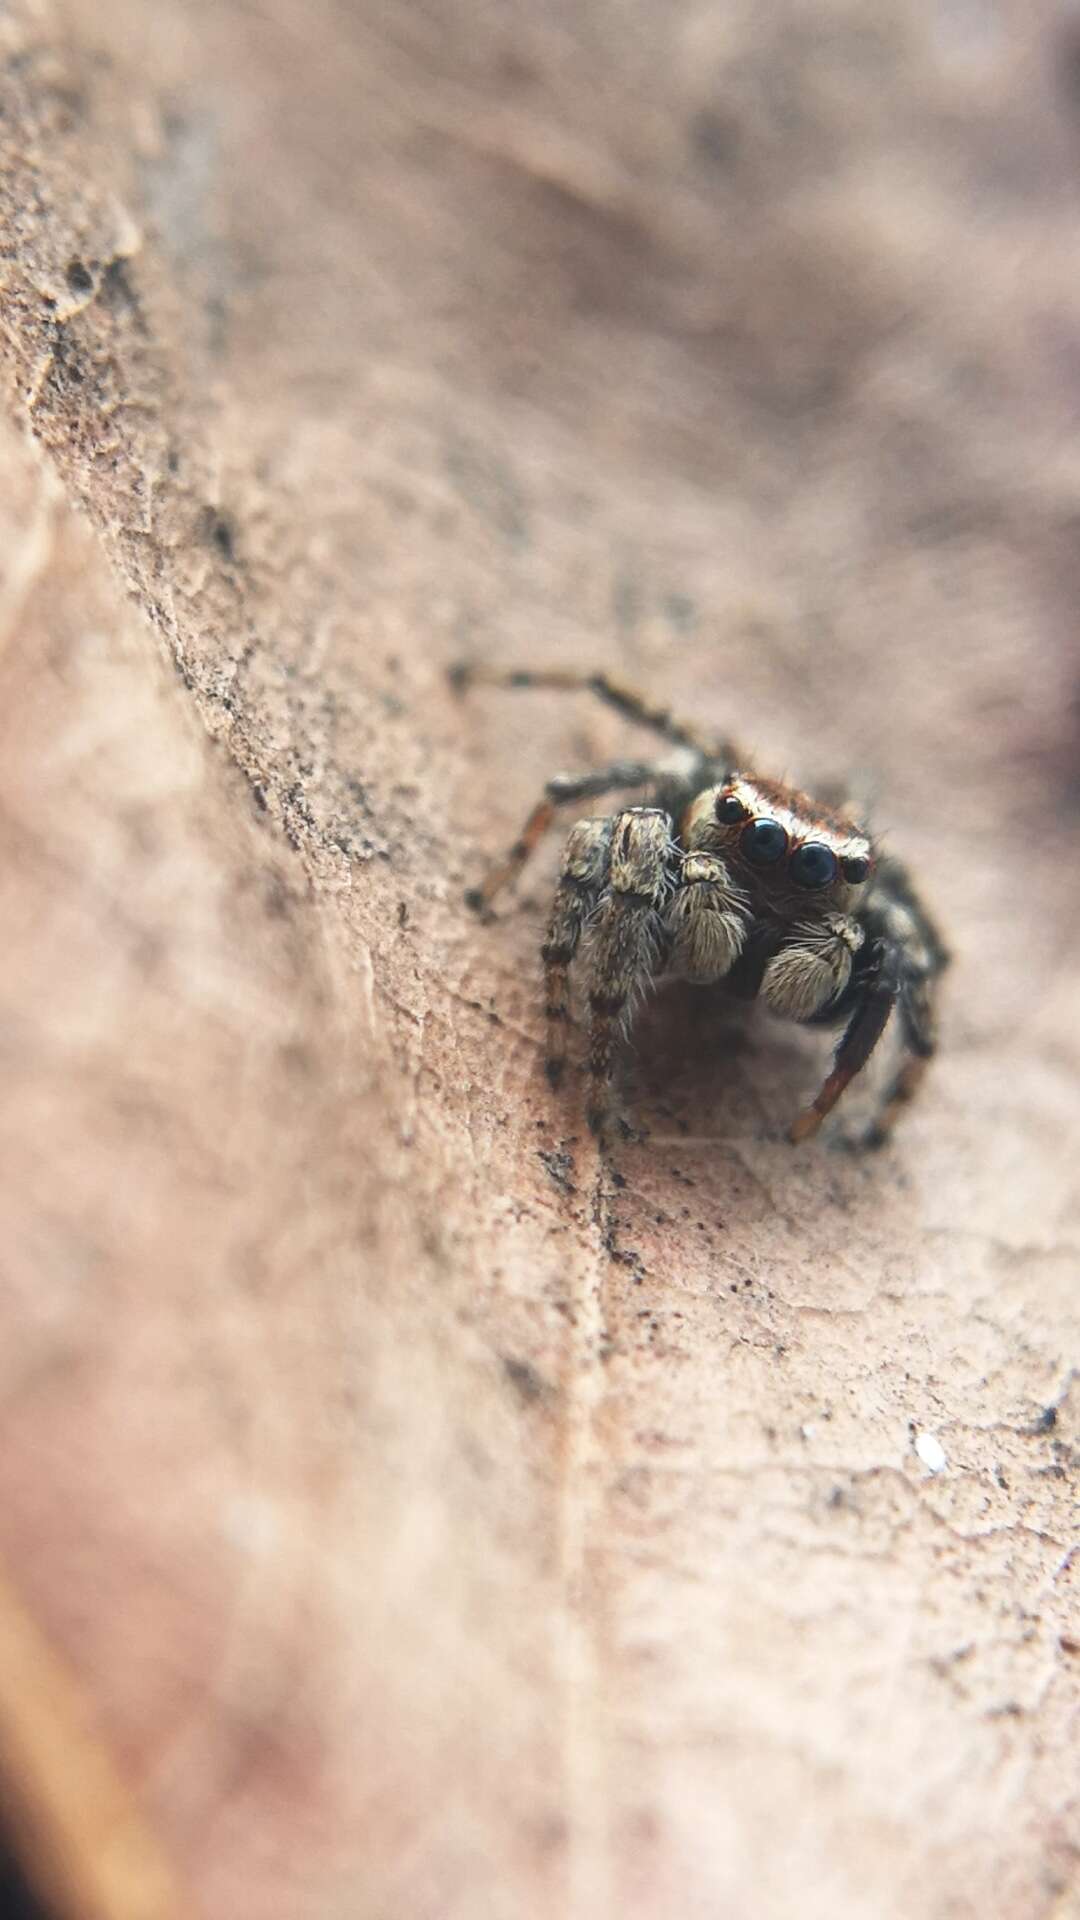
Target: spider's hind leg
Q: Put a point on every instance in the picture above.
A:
(626, 700)
(560, 792)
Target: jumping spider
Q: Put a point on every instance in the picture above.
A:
(723, 876)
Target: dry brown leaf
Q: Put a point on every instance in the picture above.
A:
(438, 1520)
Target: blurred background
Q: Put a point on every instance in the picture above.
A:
(402, 1507)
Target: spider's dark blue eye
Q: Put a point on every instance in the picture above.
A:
(764, 842)
(730, 809)
(813, 865)
(855, 868)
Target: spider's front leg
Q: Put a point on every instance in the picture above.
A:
(924, 959)
(900, 966)
(580, 882)
(918, 1024)
(624, 942)
(875, 992)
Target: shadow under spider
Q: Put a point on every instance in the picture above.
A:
(701, 1062)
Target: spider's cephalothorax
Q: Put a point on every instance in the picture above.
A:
(724, 877)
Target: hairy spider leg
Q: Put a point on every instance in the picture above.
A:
(583, 873)
(625, 939)
(563, 791)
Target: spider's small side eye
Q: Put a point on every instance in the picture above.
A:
(764, 842)
(730, 809)
(813, 865)
(855, 868)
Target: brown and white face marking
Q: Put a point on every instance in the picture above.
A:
(795, 860)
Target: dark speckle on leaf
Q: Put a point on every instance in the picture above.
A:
(561, 1167)
(216, 529)
(524, 1378)
(79, 277)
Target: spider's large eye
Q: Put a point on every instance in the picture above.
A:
(855, 868)
(813, 865)
(730, 810)
(764, 842)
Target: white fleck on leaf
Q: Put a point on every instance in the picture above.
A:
(931, 1452)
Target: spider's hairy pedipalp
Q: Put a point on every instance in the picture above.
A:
(708, 919)
(813, 968)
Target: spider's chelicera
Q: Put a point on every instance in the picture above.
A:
(723, 877)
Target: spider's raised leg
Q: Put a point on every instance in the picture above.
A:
(626, 700)
(560, 792)
(625, 940)
(579, 888)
